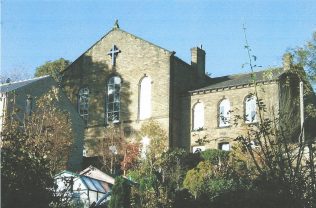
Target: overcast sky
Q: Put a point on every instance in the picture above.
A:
(36, 31)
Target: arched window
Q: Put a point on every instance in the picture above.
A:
(113, 100)
(145, 98)
(250, 109)
(198, 116)
(83, 103)
(224, 113)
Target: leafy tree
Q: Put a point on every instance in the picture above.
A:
(174, 166)
(110, 149)
(50, 131)
(120, 196)
(305, 56)
(147, 172)
(33, 150)
(52, 68)
(195, 178)
(279, 166)
(283, 171)
(157, 138)
(25, 175)
(215, 156)
(213, 177)
(130, 156)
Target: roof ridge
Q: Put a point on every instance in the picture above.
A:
(241, 79)
(245, 73)
(34, 78)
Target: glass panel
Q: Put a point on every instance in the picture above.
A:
(116, 97)
(89, 183)
(83, 103)
(197, 149)
(221, 116)
(116, 116)
(222, 110)
(111, 80)
(116, 106)
(224, 113)
(117, 88)
(250, 109)
(198, 116)
(145, 98)
(225, 146)
(117, 80)
(98, 185)
(111, 98)
(110, 116)
(110, 89)
(253, 116)
(110, 107)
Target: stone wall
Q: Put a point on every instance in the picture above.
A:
(184, 78)
(171, 78)
(138, 58)
(268, 92)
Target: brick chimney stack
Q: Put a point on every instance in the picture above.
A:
(198, 60)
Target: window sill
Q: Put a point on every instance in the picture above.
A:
(224, 127)
(114, 123)
(251, 123)
(198, 130)
(143, 119)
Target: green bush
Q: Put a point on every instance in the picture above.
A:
(121, 193)
(215, 156)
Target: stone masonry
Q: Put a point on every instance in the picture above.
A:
(176, 87)
(138, 58)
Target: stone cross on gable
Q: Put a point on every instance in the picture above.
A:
(113, 53)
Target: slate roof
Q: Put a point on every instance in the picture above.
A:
(242, 79)
(8, 87)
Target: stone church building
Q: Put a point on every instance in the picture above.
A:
(127, 80)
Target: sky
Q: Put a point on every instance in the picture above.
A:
(36, 31)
